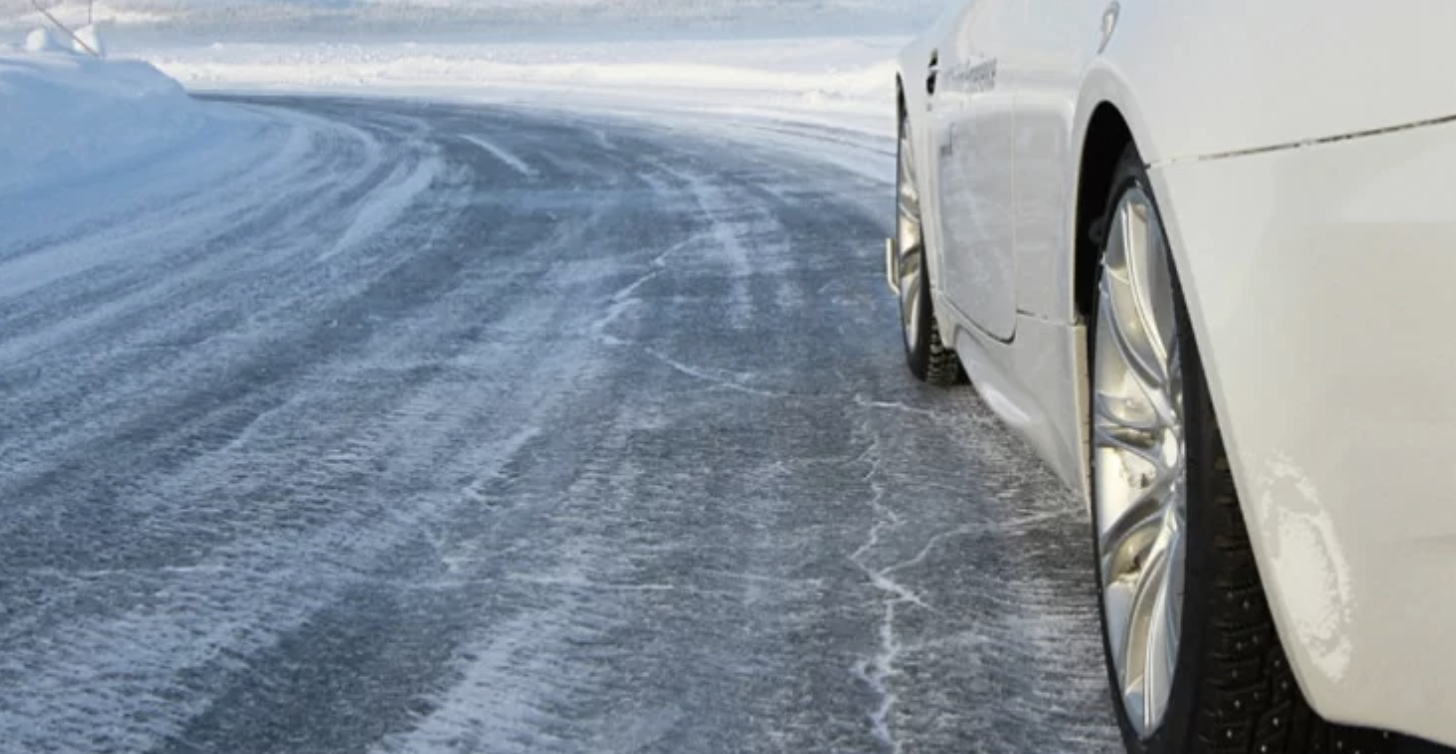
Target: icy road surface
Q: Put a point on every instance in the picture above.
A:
(449, 429)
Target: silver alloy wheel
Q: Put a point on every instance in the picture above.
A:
(1139, 475)
(910, 243)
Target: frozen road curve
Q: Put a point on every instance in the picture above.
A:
(446, 429)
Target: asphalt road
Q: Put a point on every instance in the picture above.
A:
(454, 429)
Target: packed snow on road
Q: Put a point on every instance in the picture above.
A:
(411, 392)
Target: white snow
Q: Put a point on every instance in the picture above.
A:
(846, 82)
(68, 116)
(496, 19)
(78, 13)
(741, 69)
(513, 162)
(123, 132)
(41, 40)
(88, 40)
(383, 208)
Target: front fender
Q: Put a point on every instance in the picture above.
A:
(912, 66)
(1217, 78)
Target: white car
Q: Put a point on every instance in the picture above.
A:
(1202, 256)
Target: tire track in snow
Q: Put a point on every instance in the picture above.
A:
(383, 207)
(513, 162)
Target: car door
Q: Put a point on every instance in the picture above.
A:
(974, 124)
(1058, 40)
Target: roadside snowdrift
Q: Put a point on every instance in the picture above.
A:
(844, 82)
(494, 21)
(67, 117)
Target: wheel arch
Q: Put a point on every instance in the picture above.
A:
(1109, 120)
(1107, 137)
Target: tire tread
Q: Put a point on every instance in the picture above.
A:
(942, 366)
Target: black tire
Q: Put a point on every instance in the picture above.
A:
(1233, 691)
(927, 355)
(930, 360)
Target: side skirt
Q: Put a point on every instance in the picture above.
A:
(1037, 384)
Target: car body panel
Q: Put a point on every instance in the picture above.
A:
(1025, 382)
(1057, 49)
(1243, 75)
(1300, 157)
(972, 125)
(1319, 284)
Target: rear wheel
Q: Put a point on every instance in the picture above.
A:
(926, 354)
(1192, 654)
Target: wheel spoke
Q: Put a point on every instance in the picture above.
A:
(1143, 326)
(1130, 340)
(911, 301)
(909, 214)
(1124, 413)
(909, 193)
(1145, 673)
(909, 200)
(1143, 394)
(1152, 280)
(910, 271)
(1117, 283)
(1126, 541)
(1134, 442)
(1160, 649)
(1172, 608)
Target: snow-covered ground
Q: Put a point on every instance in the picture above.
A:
(825, 62)
(492, 20)
(100, 117)
(342, 426)
(70, 119)
(843, 82)
(393, 427)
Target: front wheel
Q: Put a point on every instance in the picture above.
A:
(926, 354)
(1195, 664)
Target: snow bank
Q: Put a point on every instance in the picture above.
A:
(42, 40)
(496, 20)
(65, 116)
(20, 14)
(848, 82)
(88, 39)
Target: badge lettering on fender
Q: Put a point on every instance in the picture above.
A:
(974, 78)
